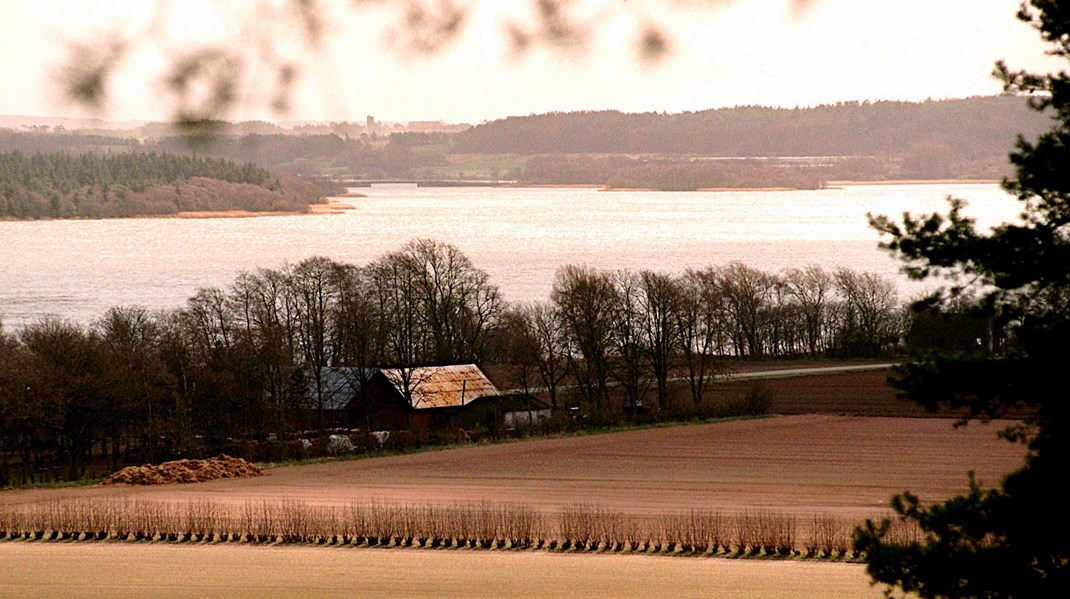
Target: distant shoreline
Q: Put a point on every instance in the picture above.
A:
(708, 189)
(915, 182)
(828, 185)
(313, 210)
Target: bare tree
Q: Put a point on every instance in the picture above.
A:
(397, 296)
(554, 347)
(516, 345)
(135, 377)
(701, 321)
(218, 367)
(209, 318)
(314, 285)
(68, 368)
(629, 338)
(811, 289)
(587, 301)
(747, 293)
(779, 322)
(871, 322)
(181, 359)
(360, 330)
(25, 417)
(266, 313)
(660, 301)
(458, 303)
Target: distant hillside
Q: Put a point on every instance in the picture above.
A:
(799, 148)
(317, 154)
(972, 127)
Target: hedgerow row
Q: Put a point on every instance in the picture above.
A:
(750, 533)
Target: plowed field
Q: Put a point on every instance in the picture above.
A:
(842, 465)
(799, 464)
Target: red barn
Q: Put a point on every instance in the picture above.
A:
(424, 398)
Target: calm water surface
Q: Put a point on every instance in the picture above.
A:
(78, 269)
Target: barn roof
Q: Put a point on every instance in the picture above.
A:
(443, 386)
(340, 385)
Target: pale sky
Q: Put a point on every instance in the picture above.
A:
(727, 53)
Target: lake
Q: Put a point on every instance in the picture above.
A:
(520, 236)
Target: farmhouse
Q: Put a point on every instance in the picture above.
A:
(424, 398)
(439, 397)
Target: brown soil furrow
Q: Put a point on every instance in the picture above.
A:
(796, 464)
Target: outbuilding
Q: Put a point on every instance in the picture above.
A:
(503, 413)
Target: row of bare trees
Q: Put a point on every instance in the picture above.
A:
(232, 363)
(638, 330)
(235, 362)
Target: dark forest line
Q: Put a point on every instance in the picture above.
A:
(127, 184)
(303, 155)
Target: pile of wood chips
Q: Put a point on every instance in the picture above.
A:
(184, 471)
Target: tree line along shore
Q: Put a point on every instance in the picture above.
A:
(90, 185)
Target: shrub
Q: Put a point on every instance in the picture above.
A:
(400, 441)
(829, 537)
(758, 400)
(273, 451)
(364, 443)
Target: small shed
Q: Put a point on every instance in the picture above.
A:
(503, 412)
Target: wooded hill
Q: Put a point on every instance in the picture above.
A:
(801, 148)
(61, 185)
(937, 139)
(968, 127)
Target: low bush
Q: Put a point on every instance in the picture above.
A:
(400, 441)
(758, 400)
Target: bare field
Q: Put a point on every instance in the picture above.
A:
(846, 466)
(861, 393)
(162, 570)
(843, 465)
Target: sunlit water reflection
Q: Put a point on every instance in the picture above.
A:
(77, 269)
